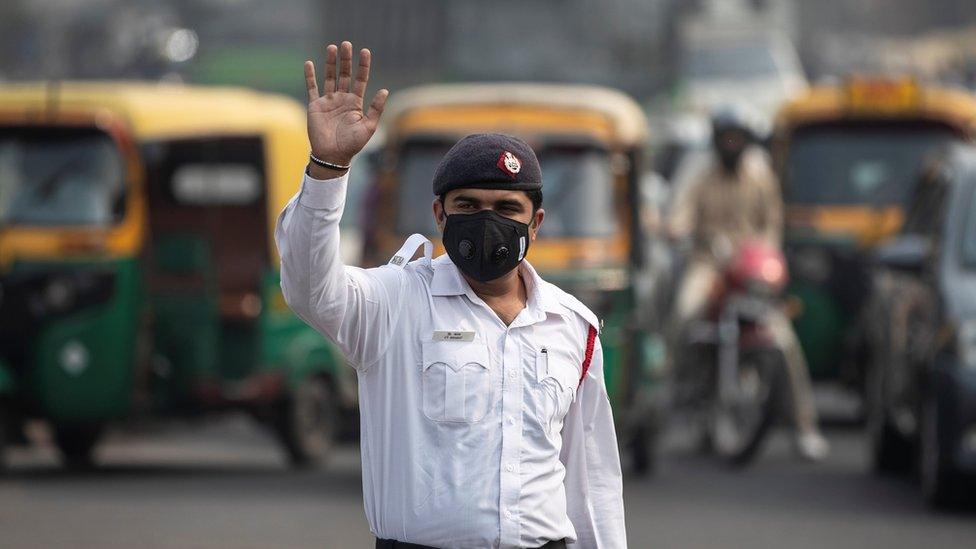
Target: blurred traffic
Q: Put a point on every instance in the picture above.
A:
(771, 206)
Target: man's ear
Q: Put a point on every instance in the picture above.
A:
(537, 218)
(440, 216)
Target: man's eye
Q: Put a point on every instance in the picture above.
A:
(464, 206)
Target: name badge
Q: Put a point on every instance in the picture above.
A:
(443, 335)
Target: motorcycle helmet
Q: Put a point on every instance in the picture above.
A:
(734, 129)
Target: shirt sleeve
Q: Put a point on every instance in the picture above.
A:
(355, 308)
(594, 484)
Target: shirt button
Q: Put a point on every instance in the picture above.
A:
(511, 420)
(509, 467)
(508, 513)
(512, 376)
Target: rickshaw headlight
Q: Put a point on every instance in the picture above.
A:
(75, 357)
(811, 264)
(64, 292)
(966, 341)
(59, 295)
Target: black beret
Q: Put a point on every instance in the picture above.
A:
(488, 161)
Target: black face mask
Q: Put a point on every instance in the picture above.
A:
(730, 159)
(730, 146)
(485, 245)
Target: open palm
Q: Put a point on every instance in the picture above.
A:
(337, 126)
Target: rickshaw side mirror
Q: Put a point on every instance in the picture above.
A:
(909, 253)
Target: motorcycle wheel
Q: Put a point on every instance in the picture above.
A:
(739, 423)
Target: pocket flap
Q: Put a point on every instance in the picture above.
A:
(455, 354)
(472, 353)
(564, 373)
(436, 352)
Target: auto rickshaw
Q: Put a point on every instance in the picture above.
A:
(847, 156)
(137, 266)
(589, 142)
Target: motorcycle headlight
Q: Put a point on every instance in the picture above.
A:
(966, 343)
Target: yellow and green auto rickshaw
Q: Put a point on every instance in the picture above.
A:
(137, 267)
(589, 141)
(848, 156)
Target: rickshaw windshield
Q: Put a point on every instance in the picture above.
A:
(875, 164)
(59, 176)
(577, 187)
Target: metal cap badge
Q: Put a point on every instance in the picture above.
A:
(509, 163)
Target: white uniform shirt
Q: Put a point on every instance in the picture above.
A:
(482, 438)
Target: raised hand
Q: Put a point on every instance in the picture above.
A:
(337, 126)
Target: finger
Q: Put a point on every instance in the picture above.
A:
(362, 75)
(330, 69)
(311, 86)
(376, 106)
(345, 66)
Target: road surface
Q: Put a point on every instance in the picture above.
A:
(223, 483)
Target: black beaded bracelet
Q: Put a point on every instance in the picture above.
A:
(329, 165)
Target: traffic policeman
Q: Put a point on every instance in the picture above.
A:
(484, 414)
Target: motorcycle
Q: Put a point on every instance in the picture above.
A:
(730, 373)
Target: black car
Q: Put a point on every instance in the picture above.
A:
(921, 382)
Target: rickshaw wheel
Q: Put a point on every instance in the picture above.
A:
(942, 485)
(4, 441)
(643, 449)
(891, 452)
(307, 423)
(76, 443)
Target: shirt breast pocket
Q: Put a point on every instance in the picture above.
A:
(456, 380)
(557, 379)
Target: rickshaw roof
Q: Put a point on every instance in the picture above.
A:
(627, 117)
(831, 102)
(160, 110)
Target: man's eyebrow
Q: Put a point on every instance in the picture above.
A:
(466, 198)
(508, 202)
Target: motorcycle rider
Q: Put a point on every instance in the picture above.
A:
(735, 198)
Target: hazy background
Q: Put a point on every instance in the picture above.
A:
(227, 484)
(635, 45)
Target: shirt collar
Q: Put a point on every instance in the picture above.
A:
(448, 281)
